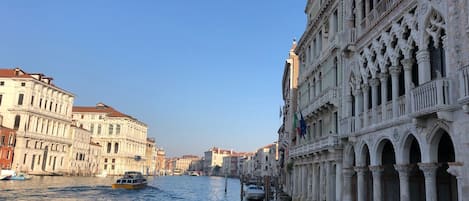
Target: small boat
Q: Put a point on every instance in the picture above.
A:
(254, 192)
(131, 180)
(195, 174)
(20, 176)
(5, 177)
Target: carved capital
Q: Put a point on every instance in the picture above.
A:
(374, 82)
(377, 169)
(361, 170)
(407, 63)
(403, 169)
(395, 70)
(429, 169)
(357, 92)
(423, 55)
(383, 77)
(365, 88)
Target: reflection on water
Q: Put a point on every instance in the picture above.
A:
(184, 188)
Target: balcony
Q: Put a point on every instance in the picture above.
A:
(431, 97)
(382, 8)
(321, 144)
(464, 85)
(327, 97)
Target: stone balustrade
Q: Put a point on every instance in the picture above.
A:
(327, 96)
(312, 147)
(431, 96)
(464, 85)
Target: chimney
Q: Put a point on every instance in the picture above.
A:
(17, 71)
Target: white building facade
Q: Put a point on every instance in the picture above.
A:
(395, 112)
(122, 137)
(41, 113)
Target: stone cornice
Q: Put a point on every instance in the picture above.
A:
(311, 28)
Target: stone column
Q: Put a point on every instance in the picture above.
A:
(395, 70)
(358, 108)
(374, 99)
(315, 183)
(348, 99)
(365, 89)
(429, 170)
(423, 60)
(377, 171)
(361, 183)
(347, 187)
(338, 181)
(407, 63)
(384, 95)
(404, 171)
(327, 180)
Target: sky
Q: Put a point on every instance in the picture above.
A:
(200, 74)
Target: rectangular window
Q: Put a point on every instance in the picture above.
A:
(320, 128)
(23, 84)
(113, 160)
(112, 167)
(105, 160)
(1, 97)
(2, 140)
(20, 99)
(92, 128)
(39, 160)
(2, 83)
(24, 159)
(40, 102)
(50, 106)
(118, 129)
(45, 104)
(99, 129)
(111, 129)
(32, 100)
(105, 166)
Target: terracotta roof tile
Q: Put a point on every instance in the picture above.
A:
(101, 108)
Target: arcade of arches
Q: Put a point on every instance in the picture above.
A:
(407, 171)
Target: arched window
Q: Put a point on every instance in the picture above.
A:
(109, 147)
(116, 147)
(17, 122)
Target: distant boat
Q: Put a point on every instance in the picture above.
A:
(254, 192)
(195, 174)
(131, 180)
(20, 176)
(5, 177)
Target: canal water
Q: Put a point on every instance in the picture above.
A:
(165, 188)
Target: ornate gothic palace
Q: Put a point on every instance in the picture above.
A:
(383, 87)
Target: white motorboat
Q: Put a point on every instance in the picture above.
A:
(254, 192)
(102, 175)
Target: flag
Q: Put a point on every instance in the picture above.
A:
(302, 126)
(296, 125)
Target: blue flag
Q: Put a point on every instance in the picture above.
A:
(302, 126)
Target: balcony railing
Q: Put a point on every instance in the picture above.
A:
(430, 96)
(464, 85)
(327, 96)
(318, 145)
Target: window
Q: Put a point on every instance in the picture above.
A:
(2, 83)
(20, 99)
(99, 129)
(32, 100)
(113, 160)
(112, 167)
(118, 129)
(24, 159)
(17, 122)
(320, 128)
(105, 160)
(111, 129)
(92, 128)
(109, 147)
(105, 167)
(40, 102)
(39, 160)
(3, 140)
(23, 84)
(45, 104)
(50, 106)
(56, 107)
(1, 97)
(27, 143)
(116, 148)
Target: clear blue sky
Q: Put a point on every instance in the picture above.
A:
(198, 73)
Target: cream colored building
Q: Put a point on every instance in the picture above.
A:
(95, 157)
(182, 164)
(122, 137)
(151, 157)
(214, 160)
(41, 113)
(79, 152)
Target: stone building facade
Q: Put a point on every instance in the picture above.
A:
(401, 99)
(122, 137)
(40, 112)
(7, 147)
(287, 134)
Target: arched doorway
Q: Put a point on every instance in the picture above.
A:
(447, 188)
(413, 156)
(390, 177)
(368, 177)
